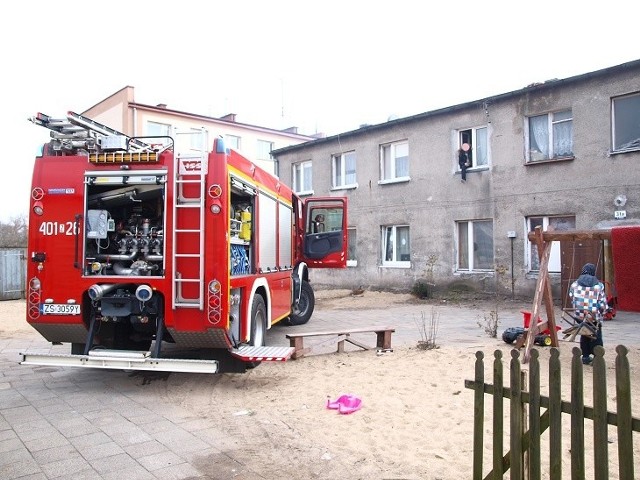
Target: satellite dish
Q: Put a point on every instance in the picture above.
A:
(620, 201)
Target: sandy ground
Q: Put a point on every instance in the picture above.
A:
(417, 416)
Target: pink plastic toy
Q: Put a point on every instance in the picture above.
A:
(345, 404)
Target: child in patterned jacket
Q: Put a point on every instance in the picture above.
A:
(589, 303)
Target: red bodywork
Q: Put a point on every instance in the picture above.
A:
(107, 229)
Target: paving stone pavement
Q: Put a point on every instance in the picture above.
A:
(65, 423)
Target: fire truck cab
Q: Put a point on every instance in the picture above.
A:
(147, 256)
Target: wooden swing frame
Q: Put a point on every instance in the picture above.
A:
(543, 241)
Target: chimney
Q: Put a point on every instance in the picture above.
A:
(291, 130)
(229, 117)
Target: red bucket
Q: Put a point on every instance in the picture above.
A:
(526, 316)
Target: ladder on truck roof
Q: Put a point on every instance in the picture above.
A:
(188, 216)
(80, 132)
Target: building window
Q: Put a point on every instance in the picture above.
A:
(626, 122)
(475, 245)
(155, 129)
(196, 139)
(394, 161)
(352, 261)
(550, 136)
(344, 170)
(396, 251)
(477, 140)
(264, 150)
(302, 177)
(231, 141)
(557, 223)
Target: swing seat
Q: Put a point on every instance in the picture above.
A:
(585, 327)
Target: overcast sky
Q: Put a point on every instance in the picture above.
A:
(321, 66)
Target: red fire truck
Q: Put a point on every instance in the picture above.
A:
(146, 256)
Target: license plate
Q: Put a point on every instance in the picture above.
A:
(60, 309)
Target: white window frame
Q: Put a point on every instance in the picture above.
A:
(339, 170)
(474, 142)
(470, 246)
(394, 263)
(261, 150)
(297, 177)
(197, 139)
(393, 158)
(551, 123)
(555, 263)
(630, 143)
(352, 235)
(163, 129)
(232, 141)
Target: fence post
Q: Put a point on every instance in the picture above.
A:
(623, 407)
(516, 417)
(478, 416)
(498, 412)
(600, 427)
(534, 417)
(555, 416)
(577, 416)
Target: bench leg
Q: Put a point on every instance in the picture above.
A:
(384, 340)
(297, 343)
(341, 340)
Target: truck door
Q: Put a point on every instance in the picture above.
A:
(325, 232)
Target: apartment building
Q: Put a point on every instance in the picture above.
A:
(121, 112)
(563, 154)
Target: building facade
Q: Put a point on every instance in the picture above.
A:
(564, 154)
(121, 112)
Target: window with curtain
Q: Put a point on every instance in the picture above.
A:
(626, 122)
(394, 161)
(477, 140)
(343, 166)
(396, 247)
(475, 245)
(550, 136)
(301, 175)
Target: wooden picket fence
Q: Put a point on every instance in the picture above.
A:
(545, 413)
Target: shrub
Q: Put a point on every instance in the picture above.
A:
(422, 289)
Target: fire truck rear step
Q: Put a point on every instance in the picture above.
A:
(263, 354)
(121, 360)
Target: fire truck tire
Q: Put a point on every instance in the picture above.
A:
(258, 322)
(258, 326)
(302, 314)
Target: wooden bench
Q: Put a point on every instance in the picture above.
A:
(383, 339)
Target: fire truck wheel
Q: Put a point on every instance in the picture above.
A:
(302, 314)
(258, 322)
(258, 326)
